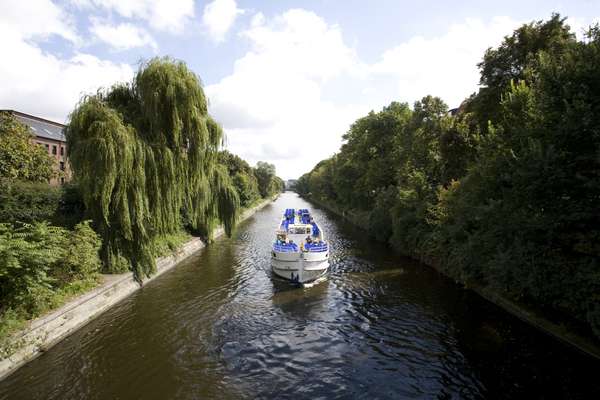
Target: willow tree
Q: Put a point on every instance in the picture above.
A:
(145, 156)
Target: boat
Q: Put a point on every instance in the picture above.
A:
(300, 252)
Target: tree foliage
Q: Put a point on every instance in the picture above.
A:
(38, 259)
(31, 202)
(20, 158)
(143, 154)
(506, 193)
(515, 60)
(243, 177)
(268, 182)
(41, 267)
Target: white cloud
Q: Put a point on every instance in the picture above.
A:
(580, 25)
(219, 16)
(122, 36)
(272, 106)
(164, 15)
(42, 84)
(444, 66)
(277, 103)
(36, 19)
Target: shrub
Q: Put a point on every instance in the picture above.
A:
(80, 258)
(28, 202)
(170, 243)
(37, 259)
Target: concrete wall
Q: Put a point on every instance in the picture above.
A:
(45, 331)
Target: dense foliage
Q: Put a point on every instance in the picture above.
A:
(506, 193)
(31, 202)
(145, 156)
(41, 266)
(250, 183)
(20, 158)
(269, 183)
(243, 177)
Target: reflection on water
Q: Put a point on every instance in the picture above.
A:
(381, 326)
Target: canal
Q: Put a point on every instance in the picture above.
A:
(380, 327)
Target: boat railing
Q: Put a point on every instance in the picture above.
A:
(285, 247)
(316, 247)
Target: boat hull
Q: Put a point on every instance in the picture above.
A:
(300, 270)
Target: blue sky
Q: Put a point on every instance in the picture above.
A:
(277, 73)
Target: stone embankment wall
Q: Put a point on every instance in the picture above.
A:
(47, 330)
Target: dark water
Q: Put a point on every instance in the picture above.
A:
(221, 327)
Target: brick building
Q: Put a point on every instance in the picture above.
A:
(49, 134)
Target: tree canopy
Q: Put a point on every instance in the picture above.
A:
(20, 158)
(505, 193)
(243, 177)
(268, 182)
(145, 155)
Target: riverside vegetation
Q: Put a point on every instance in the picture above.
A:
(148, 174)
(505, 191)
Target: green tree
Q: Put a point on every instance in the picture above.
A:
(142, 152)
(243, 177)
(368, 159)
(512, 61)
(20, 158)
(268, 183)
(514, 208)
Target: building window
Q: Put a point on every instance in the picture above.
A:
(54, 150)
(47, 147)
(62, 165)
(62, 150)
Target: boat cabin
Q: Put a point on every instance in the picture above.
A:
(299, 230)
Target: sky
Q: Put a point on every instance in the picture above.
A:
(285, 79)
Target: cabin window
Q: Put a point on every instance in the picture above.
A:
(54, 150)
(62, 150)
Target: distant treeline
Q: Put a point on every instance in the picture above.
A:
(251, 183)
(502, 192)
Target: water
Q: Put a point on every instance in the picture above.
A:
(381, 326)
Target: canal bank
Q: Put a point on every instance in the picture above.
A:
(49, 329)
(382, 326)
(533, 317)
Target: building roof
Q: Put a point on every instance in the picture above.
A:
(41, 127)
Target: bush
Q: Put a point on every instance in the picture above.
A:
(29, 202)
(169, 244)
(80, 258)
(71, 208)
(37, 260)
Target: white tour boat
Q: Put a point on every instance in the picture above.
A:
(300, 252)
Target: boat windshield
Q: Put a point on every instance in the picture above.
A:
(300, 230)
